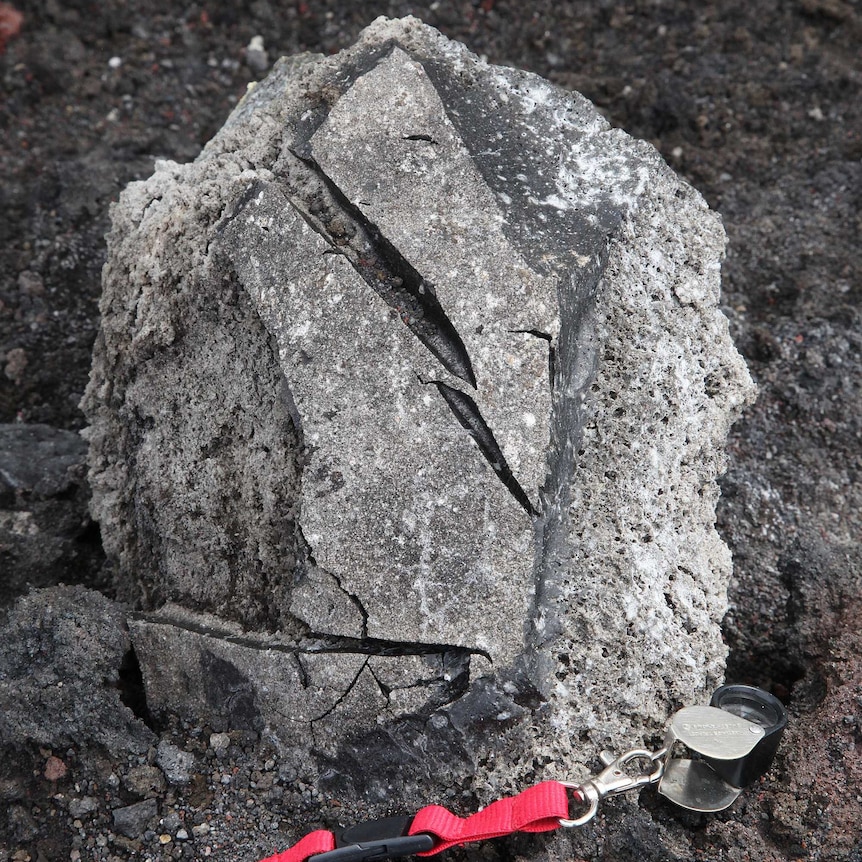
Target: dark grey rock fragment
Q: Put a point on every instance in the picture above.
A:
(132, 820)
(61, 650)
(46, 533)
(39, 460)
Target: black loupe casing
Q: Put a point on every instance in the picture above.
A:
(757, 706)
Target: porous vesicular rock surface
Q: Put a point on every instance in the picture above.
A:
(406, 414)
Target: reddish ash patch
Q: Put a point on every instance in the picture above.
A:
(10, 24)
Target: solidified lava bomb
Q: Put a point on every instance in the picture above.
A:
(406, 414)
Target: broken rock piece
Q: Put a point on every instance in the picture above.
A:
(46, 534)
(63, 652)
(406, 414)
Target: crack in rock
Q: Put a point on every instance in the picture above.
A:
(340, 700)
(320, 600)
(357, 603)
(342, 224)
(552, 351)
(210, 627)
(466, 411)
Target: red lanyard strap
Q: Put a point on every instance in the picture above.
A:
(313, 844)
(434, 828)
(537, 809)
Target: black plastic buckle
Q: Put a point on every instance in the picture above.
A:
(376, 840)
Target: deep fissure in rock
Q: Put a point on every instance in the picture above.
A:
(133, 693)
(322, 204)
(323, 643)
(467, 413)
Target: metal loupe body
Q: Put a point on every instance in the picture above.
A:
(733, 741)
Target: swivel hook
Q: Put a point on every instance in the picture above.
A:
(614, 779)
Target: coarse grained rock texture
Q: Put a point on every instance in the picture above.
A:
(419, 360)
(62, 653)
(46, 533)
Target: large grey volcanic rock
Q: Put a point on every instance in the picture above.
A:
(406, 415)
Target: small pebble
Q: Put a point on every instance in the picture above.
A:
(164, 838)
(131, 820)
(55, 769)
(171, 822)
(219, 741)
(81, 807)
(176, 764)
(144, 780)
(182, 835)
(256, 57)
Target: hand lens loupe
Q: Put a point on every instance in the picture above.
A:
(732, 742)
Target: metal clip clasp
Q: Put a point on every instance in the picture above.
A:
(614, 779)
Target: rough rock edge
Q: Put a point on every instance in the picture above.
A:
(647, 688)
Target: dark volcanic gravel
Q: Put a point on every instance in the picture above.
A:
(756, 104)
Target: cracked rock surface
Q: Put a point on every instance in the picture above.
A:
(406, 415)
